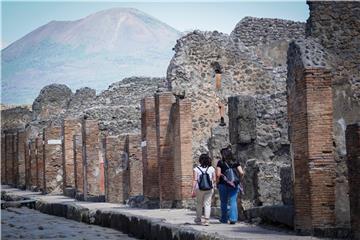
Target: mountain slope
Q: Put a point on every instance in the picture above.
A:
(93, 51)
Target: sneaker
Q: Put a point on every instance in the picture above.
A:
(232, 222)
(206, 222)
(197, 221)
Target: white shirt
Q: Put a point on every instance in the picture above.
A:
(210, 171)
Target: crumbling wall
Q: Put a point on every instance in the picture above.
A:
(15, 118)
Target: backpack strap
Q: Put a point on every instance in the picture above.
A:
(201, 170)
(207, 169)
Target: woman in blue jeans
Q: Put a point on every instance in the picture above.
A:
(228, 190)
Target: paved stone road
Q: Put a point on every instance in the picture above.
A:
(29, 224)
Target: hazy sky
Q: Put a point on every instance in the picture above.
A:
(20, 18)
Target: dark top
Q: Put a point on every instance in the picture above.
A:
(221, 164)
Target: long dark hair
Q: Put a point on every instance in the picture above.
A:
(204, 160)
(226, 155)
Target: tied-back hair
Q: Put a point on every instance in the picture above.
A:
(226, 155)
(204, 160)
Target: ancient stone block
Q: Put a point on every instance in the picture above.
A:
(135, 164)
(21, 149)
(91, 155)
(353, 162)
(71, 127)
(149, 149)
(116, 169)
(242, 119)
(310, 118)
(163, 105)
(53, 160)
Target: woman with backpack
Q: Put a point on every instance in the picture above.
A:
(203, 182)
(228, 175)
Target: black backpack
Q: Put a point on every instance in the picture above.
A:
(231, 175)
(204, 181)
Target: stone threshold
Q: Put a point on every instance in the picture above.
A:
(153, 224)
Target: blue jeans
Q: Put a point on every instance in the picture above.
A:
(228, 194)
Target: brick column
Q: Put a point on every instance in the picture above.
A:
(78, 164)
(3, 159)
(353, 162)
(163, 105)
(15, 160)
(40, 162)
(21, 149)
(116, 169)
(27, 164)
(71, 127)
(9, 163)
(33, 165)
(182, 150)
(53, 160)
(135, 164)
(91, 152)
(149, 149)
(310, 111)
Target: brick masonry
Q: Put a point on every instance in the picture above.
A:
(78, 164)
(163, 105)
(53, 160)
(40, 162)
(149, 149)
(27, 164)
(310, 117)
(116, 169)
(33, 164)
(71, 127)
(182, 149)
(9, 163)
(3, 159)
(135, 164)
(21, 149)
(91, 153)
(353, 162)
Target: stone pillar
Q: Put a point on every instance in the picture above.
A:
(135, 165)
(40, 162)
(149, 149)
(310, 110)
(116, 169)
(78, 165)
(21, 149)
(3, 159)
(91, 156)
(27, 164)
(353, 162)
(53, 160)
(9, 163)
(182, 150)
(71, 127)
(15, 160)
(163, 105)
(33, 165)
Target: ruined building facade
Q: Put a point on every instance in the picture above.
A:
(290, 92)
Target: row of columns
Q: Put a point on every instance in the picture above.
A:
(75, 160)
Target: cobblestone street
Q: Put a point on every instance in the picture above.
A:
(24, 223)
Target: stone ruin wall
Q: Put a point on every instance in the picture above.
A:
(245, 68)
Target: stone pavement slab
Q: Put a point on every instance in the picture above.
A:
(147, 223)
